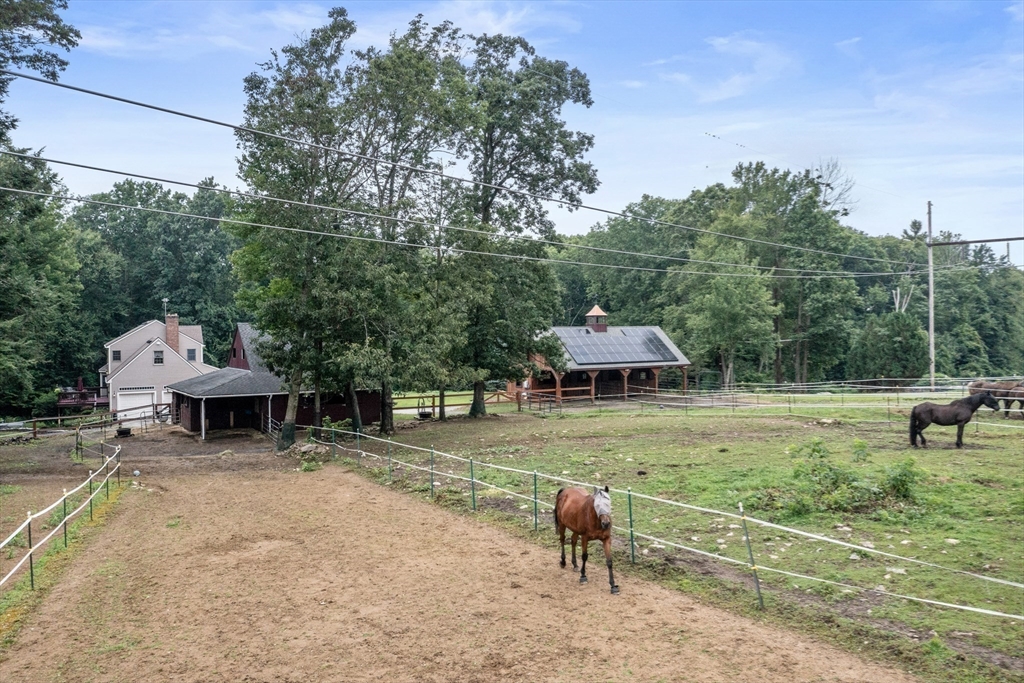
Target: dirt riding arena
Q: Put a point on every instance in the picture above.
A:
(236, 567)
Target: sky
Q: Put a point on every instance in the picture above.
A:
(917, 101)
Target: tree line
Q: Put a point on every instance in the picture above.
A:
(365, 271)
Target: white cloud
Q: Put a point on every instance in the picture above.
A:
(1016, 11)
(632, 84)
(768, 62)
(849, 47)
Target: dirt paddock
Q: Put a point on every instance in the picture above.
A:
(234, 567)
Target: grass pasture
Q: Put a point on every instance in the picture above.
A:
(837, 470)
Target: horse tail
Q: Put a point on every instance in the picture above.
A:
(913, 426)
(558, 496)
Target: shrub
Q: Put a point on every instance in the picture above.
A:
(901, 480)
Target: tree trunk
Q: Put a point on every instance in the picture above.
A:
(387, 409)
(317, 419)
(478, 408)
(777, 321)
(287, 437)
(440, 407)
(353, 411)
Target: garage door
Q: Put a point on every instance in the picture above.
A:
(134, 404)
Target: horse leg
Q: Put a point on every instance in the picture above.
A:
(960, 434)
(575, 536)
(561, 538)
(583, 570)
(608, 562)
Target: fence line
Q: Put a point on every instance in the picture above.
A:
(103, 484)
(818, 537)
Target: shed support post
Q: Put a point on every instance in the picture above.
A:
(593, 381)
(558, 385)
(685, 369)
(625, 383)
(656, 371)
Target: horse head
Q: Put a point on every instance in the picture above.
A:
(603, 507)
(989, 400)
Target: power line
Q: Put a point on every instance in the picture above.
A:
(433, 172)
(365, 214)
(454, 250)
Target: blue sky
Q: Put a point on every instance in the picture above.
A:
(918, 101)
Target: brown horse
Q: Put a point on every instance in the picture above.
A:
(588, 516)
(1006, 391)
(957, 413)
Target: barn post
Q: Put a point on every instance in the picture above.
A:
(593, 381)
(625, 382)
(656, 371)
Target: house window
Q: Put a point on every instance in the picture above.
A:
(190, 354)
(158, 358)
(234, 352)
(115, 355)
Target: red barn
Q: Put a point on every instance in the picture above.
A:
(247, 394)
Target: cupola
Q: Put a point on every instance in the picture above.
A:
(597, 320)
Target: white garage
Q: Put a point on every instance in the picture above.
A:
(134, 403)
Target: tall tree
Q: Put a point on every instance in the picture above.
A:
(518, 141)
(728, 311)
(27, 27)
(301, 94)
(39, 293)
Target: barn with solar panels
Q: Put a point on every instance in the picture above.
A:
(605, 361)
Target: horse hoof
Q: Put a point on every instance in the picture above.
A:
(615, 590)
(562, 564)
(583, 579)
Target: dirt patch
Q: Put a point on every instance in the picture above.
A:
(238, 568)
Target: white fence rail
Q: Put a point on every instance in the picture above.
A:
(432, 470)
(95, 482)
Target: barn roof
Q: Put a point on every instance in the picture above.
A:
(250, 335)
(230, 382)
(596, 310)
(619, 347)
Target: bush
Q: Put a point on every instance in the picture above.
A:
(901, 479)
(45, 405)
(820, 485)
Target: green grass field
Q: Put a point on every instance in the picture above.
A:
(838, 470)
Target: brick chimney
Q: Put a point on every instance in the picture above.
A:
(597, 319)
(172, 330)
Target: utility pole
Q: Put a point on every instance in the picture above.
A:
(931, 304)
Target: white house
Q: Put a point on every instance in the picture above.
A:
(144, 360)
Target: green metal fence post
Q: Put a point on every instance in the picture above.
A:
(334, 445)
(106, 480)
(357, 444)
(472, 483)
(90, 495)
(431, 472)
(64, 520)
(31, 568)
(535, 521)
(632, 541)
(389, 460)
(750, 554)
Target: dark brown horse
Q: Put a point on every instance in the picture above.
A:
(588, 516)
(1007, 391)
(957, 413)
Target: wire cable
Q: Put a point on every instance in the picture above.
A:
(455, 250)
(423, 223)
(436, 173)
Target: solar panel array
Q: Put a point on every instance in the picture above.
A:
(629, 345)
